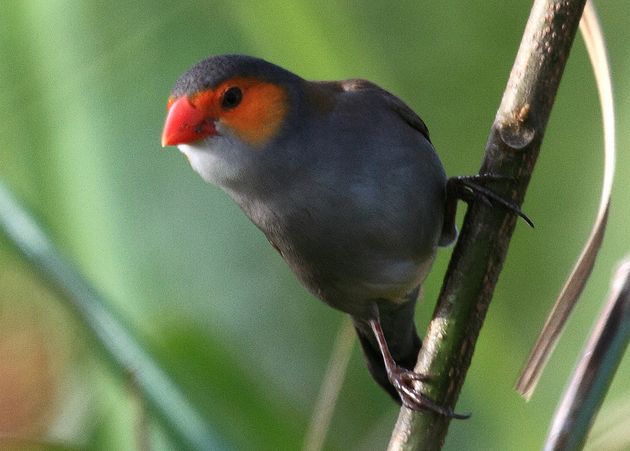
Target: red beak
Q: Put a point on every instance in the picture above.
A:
(186, 124)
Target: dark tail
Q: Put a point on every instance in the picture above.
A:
(397, 322)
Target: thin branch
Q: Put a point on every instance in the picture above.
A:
(595, 370)
(109, 332)
(512, 150)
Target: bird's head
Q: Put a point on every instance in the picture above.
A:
(225, 110)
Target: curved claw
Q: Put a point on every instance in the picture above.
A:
(412, 376)
(469, 188)
(404, 382)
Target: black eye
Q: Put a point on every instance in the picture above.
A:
(232, 97)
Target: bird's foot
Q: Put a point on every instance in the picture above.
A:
(404, 381)
(470, 188)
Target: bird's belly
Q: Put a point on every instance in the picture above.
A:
(392, 281)
(353, 284)
(363, 253)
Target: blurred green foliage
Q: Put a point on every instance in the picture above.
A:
(83, 87)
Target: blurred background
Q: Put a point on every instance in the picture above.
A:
(83, 88)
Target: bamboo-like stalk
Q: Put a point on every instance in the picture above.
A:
(478, 257)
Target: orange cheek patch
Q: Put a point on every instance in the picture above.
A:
(259, 116)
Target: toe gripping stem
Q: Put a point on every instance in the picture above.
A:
(471, 188)
(404, 380)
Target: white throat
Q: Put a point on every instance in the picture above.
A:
(218, 160)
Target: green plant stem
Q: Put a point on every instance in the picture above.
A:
(116, 341)
(478, 257)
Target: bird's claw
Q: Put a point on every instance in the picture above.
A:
(404, 381)
(470, 188)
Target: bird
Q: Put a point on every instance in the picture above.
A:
(343, 180)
